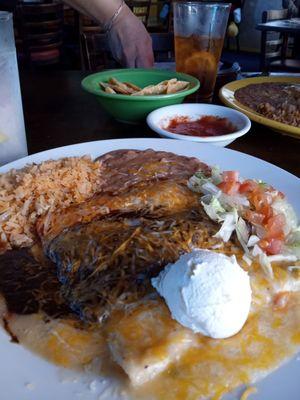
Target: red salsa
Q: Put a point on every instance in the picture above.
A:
(208, 125)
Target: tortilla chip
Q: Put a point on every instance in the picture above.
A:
(133, 86)
(177, 86)
(103, 85)
(152, 90)
(110, 90)
(120, 86)
(115, 88)
(165, 87)
(169, 81)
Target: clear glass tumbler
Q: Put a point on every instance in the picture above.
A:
(199, 29)
(13, 143)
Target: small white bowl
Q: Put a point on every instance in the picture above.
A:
(159, 119)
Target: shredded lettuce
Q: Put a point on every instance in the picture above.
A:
(263, 261)
(294, 249)
(281, 206)
(253, 240)
(210, 188)
(242, 233)
(237, 201)
(228, 226)
(293, 243)
(199, 179)
(228, 210)
(247, 259)
(282, 258)
(294, 236)
(213, 209)
(216, 175)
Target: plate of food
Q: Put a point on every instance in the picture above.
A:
(270, 101)
(138, 269)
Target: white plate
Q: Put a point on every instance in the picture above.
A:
(25, 376)
(158, 120)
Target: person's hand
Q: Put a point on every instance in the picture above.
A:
(129, 41)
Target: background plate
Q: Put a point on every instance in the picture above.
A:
(227, 96)
(25, 376)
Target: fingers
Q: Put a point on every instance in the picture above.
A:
(145, 61)
(130, 42)
(138, 55)
(130, 63)
(145, 56)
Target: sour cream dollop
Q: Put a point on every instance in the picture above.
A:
(207, 292)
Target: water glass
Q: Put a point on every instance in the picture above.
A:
(13, 143)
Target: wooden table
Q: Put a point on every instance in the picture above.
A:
(58, 112)
(291, 26)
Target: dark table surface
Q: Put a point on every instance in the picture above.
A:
(283, 25)
(58, 113)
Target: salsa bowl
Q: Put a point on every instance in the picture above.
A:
(159, 120)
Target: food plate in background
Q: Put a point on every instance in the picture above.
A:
(227, 95)
(24, 375)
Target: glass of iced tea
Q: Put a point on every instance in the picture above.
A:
(199, 29)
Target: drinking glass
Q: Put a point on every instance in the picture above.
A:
(12, 130)
(199, 29)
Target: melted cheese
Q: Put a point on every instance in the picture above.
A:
(145, 341)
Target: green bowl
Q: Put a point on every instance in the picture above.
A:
(133, 109)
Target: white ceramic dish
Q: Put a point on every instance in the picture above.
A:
(26, 376)
(159, 119)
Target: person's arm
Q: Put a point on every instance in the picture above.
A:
(291, 7)
(129, 40)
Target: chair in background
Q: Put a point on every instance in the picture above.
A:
(95, 52)
(88, 25)
(97, 55)
(93, 47)
(274, 47)
(41, 28)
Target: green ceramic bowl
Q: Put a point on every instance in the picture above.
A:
(135, 108)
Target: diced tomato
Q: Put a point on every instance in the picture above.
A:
(271, 246)
(281, 195)
(248, 186)
(230, 187)
(230, 176)
(267, 211)
(254, 217)
(260, 199)
(274, 226)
